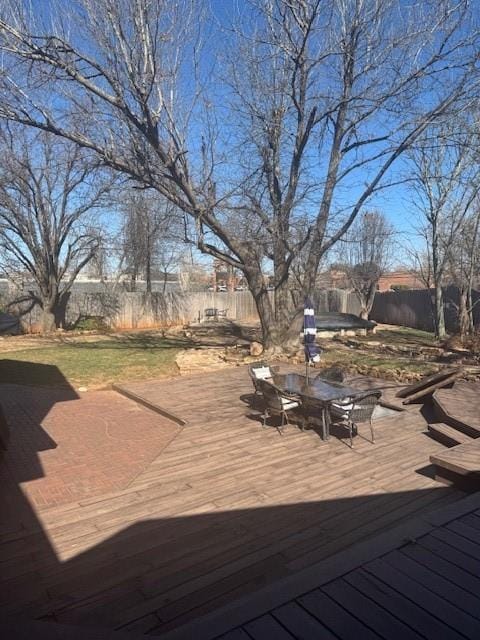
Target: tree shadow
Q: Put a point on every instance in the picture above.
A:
(116, 563)
(146, 341)
(29, 373)
(20, 463)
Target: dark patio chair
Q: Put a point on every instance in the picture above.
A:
(261, 371)
(313, 413)
(353, 412)
(334, 374)
(277, 403)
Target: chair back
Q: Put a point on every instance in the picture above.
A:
(364, 406)
(261, 371)
(312, 410)
(270, 393)
(274, 396)
(334, 374)
(313, 406)
(261, 364)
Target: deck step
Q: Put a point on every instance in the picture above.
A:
(459, 465)
(459, 408)
(447, 435)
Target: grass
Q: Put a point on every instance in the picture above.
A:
(387, 366)
(103, 360)
(374, 361)
(93, 364)
(404, 335)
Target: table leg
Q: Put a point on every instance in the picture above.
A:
(324, 423)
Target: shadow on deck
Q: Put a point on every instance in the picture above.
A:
(226, 509)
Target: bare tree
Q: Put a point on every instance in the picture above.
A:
(321, 100)
(446, 184)
(49, 190)
(151, 235)
(365, 253)
(463, 267)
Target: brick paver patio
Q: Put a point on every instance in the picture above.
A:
(64, 446)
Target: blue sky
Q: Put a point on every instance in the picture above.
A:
(395, 202)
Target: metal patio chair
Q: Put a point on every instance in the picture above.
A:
(333, 374)
(277, 403)
(261, 371)
(314, 412)
(352, 412)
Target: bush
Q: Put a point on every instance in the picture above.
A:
(399, 287)
(91, 323)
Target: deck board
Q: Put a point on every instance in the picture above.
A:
(225, 509)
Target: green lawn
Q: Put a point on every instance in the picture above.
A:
(387, 366)
(375, 361)
(93, 364)
(403, 335)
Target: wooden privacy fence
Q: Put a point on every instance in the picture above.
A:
(139, 310)
(414, 308)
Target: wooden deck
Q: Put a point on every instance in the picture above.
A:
(390, 588)
(225, 509)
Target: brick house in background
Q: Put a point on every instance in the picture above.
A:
(337, 279)
(402, 278)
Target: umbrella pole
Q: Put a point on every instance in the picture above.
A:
(305, 348)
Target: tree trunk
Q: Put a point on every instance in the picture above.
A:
(164, 288)
(280, 319)
(148, 270)
(439, 312)
(463, 315)
(133, 282)
(47, 318)
(471, 319)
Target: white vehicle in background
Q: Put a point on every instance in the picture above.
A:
(222, 288)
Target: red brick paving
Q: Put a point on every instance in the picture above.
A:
(64, 447)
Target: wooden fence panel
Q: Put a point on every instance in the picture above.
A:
(131, 310)
(409, 308)
(414, 308)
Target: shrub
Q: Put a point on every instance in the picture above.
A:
(91, 323)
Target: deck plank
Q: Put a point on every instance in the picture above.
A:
(267, 627)
(301, 624)
(356, 595)
(341, 622)
(422, 597)
(435, 583)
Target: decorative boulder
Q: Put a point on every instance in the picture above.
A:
(256, 349)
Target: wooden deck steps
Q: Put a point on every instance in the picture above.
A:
(459, 407)
(459, 465)
(449, 436)
(458, 410)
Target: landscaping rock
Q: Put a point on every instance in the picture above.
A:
(256, 349)
(195, 360)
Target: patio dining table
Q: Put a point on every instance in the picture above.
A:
(317, 389)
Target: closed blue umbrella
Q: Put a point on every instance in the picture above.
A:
(312, 351)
